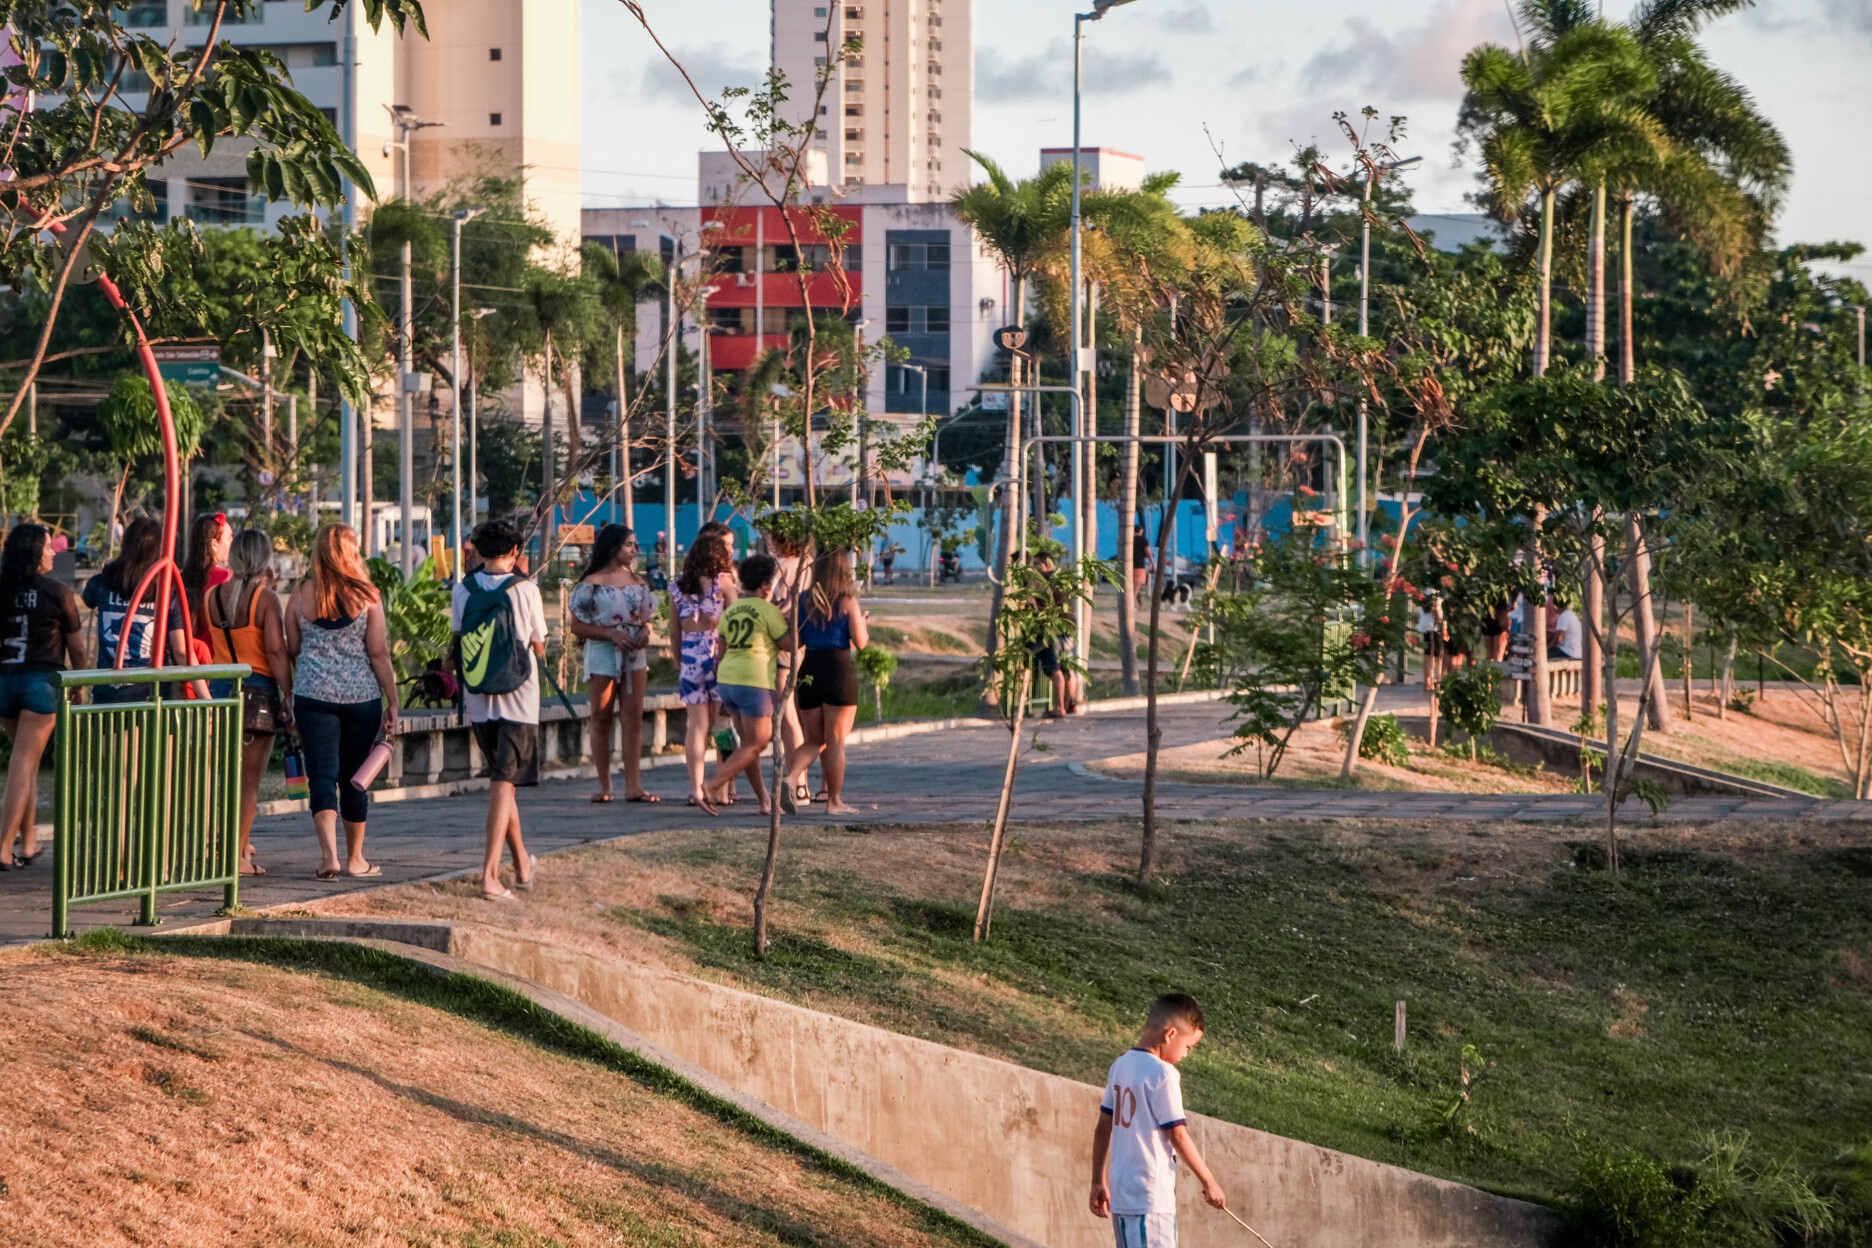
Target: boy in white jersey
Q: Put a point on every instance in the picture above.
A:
(1141, 1131)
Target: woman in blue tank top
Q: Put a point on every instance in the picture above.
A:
(832, 628)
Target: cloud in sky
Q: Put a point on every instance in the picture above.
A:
(1191, 18)
(1416, 63)
(713, 67)
(1047, 74)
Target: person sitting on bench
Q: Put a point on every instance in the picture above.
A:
(1567, 639)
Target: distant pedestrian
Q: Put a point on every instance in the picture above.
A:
(247, 626)
(753, 633)
(1140, 560)
(792, 581)
(697, 601)
(501, 621)
(887, 556)
(39, 619)
(611, 609)
(832, 629)
(1142, 1132)
(1567, 638)
(108, 594)
(1046, 655)
(344, 691)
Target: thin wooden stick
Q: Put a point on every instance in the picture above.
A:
(1246, 1227)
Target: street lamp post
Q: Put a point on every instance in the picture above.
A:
(474, 431)
(462, 217)
(1364, 328)
(404, 118)
(1075, 332)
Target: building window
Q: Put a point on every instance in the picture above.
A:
(730, 259)
(494, 119)
(819, 12)
(910, 382)
(819, 36)
(819, 63)
(916, 257)
(224, 201)
(854, 110)
(147, 15)
(494, 54)
(853, 88)
(730, 320)
(911, 319)
(854, 136)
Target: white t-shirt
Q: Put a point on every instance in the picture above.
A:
(1144, 1096)
(522, 705)
(1572, 634)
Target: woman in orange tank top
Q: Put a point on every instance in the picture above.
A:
(246, 625)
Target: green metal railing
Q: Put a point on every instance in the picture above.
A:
(148, 792)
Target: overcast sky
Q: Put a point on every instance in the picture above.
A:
(1165, 78)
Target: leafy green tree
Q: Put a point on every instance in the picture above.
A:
(622, 281)
(90, 149)
(133, 429)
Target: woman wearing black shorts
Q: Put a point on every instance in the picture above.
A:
(832, 628)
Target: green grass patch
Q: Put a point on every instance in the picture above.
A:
(1787, 775)
(1698, 993)
(491, 1005)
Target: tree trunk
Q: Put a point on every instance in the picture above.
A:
(1593, 608)
(1645, 623)
(549, 473)
(110, 531)
(1010, 499)
(984, 909)
(1539, 704)
(1689, 659)
(1543, 335)
(1127, 524)
(1153, 732)
(1356, 737)
(627, 487)
(1726, 690)
(1596, 286)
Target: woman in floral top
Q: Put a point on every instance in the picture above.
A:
(611, 610)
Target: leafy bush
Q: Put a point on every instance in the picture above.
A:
(1628, 1199)
(876, 665)
(1742, 701)
(1470, 698)
(1384, 740)
(416, 615)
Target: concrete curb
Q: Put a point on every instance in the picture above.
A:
(427, 945)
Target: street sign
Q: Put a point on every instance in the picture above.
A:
(1520, 663)
(578, 534)
(191, 363)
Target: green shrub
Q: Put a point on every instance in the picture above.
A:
(1384, 740)
(1470, 698)
(1742, 701)
(1628, 1199)
(1847, 1183)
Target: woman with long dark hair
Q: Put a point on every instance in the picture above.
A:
(344, 691)
(832, 629)
(39, 635)
(610, 612)
(108, 594)
(205, 568)
(697, 601)
(246, 626)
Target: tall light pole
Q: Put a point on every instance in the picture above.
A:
(1075, 332)
(672, 331)
(347, 414)
(474, 434)
(462, 217)
(1364, 328)
(705, 412)
(404, 118)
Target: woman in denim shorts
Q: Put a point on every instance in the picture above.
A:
(39, 636)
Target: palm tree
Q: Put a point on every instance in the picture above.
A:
(1017, 222)
(558, 306)
(1543, 117)
(1716, 171)
(1141, 244)
(623, 280)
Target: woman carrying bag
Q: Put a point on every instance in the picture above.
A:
(246, 625)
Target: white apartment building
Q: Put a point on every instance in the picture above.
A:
(497, 79)
(900, 112)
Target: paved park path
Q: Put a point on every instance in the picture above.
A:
(945, 777)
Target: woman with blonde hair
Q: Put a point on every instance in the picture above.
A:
(832, 629)
(245, 625)
(345, 694)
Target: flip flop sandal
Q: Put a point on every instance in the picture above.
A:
(649, 799)
(599, 799)
(526, 885)
(326, 876)
(252, 869)
(366, 873)
(506, 894)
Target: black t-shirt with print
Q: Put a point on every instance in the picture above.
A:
(35, 619)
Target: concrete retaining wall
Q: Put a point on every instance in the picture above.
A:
(1011, 1142)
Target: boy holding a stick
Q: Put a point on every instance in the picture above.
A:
(1142, 1132)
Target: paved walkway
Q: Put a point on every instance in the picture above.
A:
(945, 777)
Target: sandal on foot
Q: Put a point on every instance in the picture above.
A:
(647, 798)
(370, 870)
(326, 876)
(250, 869)
(532, 874)
(506, 894)
(599, 799)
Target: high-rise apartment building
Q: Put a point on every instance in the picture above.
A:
(497, 82)
(899, 112)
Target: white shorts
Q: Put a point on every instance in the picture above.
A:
(1144, 1230)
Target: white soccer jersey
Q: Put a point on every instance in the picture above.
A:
(1144, 1096)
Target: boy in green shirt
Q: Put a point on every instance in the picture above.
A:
(753, 633)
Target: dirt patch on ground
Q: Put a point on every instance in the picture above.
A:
(176, 1100)
(1314, 757)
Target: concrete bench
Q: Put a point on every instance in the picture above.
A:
(436, 744)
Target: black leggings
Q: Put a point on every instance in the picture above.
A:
(337, 737)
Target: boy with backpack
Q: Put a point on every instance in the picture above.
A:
(500, 627)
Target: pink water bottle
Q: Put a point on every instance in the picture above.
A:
(374, 763)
